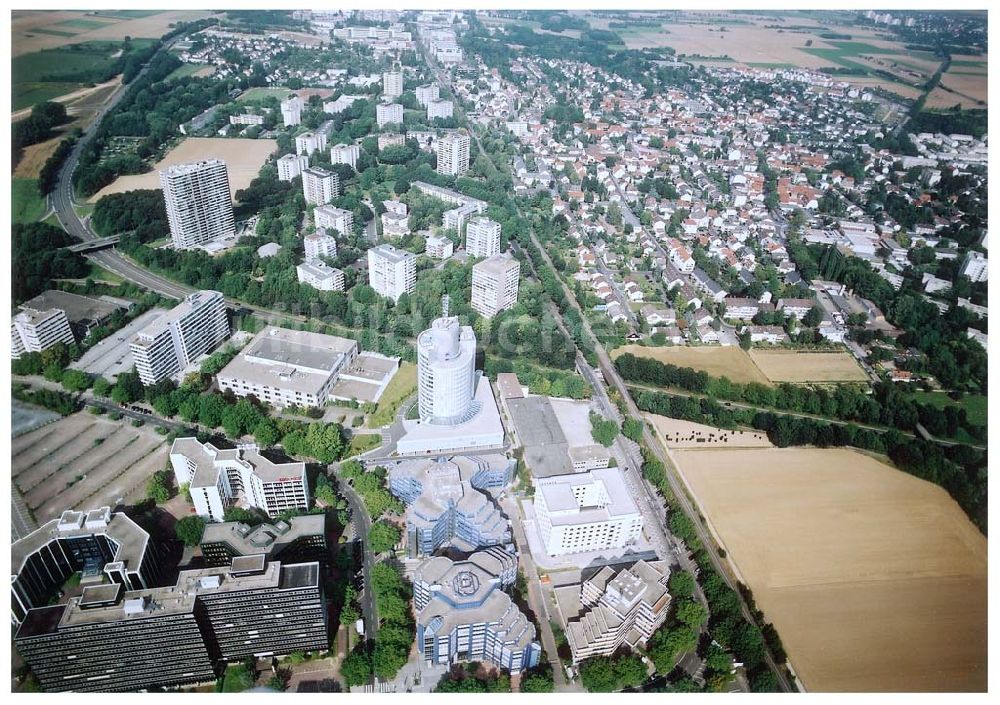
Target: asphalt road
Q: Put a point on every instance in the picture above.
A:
(362, 525)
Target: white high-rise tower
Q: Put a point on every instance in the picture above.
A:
(199, 206)
(446, 371)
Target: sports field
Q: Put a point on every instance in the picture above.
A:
(792, 366)
(875, 580)
(243, 159)
(718, 361)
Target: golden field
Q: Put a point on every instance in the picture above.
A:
(794, 366)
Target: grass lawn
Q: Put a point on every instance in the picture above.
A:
(977, 64)
(236, 680)
(260, 93)
(99, 273)
(402, 385)
(28, 93)
(129, 14)
(26, 206)
(185, 70)
(80, 23)
(74, 66)
(363, 442)
(974, 404)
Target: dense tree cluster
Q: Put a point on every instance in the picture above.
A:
(371, 487)
(37, 127)
(37, 259)
(605, 674)
(603, 430)
(142, 212)
(395, 635)
(473, 678)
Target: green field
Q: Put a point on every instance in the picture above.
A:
(53, 32)
(185, 70)
(765, 65)
(974, 404)
(83, 24)
(363, 442)
(402, 385)
(976, 64)
(26, 205)
(129, 14)
(261, 93)
(43, 75)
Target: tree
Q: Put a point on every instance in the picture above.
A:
(692, 613)
(681, 584)
(190, 529)
(102, 388)
(813, 317)
(604, 431)
(357, 667)
(128, 388)
(538, 680)
(265, 433)
(383, 536)
(158, 487)
(75, 380)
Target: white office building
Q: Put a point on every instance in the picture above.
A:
(345, 154)
(285, 367)
(35, 331)
(439, 247)
(975, 267)
(588, 511)
(320, 275)
(172, 342)
(494, 284)
(392, 84)
(392, 272)
(440, 109)
(386, 114)
(428, 93)
(291, 111)
(482, 237)
(217, 478)
(246, 119)
(198, 202)
(309, 142)
(319, 245)
(453, 154)
(320, 186)
(333, 218)
(291, 165)
(446, 372)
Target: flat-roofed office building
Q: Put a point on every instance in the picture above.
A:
(285, 367)
(94, 542)
(199, 205)
(175, 340)
(300, 539)
(217, 478)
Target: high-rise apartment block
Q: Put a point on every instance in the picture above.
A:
(619, 609)
(439, 247)
(319, 245)
(215, 478)
(35, 331)
(199, 205)
(440, 109)
(319, 185)
(494, 284)
(395, 220)
(291, 165)
(482, 237)
(386, 114)
(309, 142)
(345, 154)
(392, 84)
(332, 218)
(453, 154)
(587, 511)
(975, 267)
(428, 93)
(320, 275)
(171, 343)
(291, 111)
(392, 272)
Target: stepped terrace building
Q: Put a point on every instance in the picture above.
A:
(619, 609)
(299, 539)
(447, 502)
(463, 613)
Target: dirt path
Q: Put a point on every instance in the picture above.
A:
(69, 97)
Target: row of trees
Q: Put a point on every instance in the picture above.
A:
(371, 487)
(37, 127)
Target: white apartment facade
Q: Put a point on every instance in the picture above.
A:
(482, 237)
(494, 284)
(428, 93)
(392, 84)
(190, 329)
(291, 111)
(975, 267)
(198, 202)
(439, 247)
(440, 109)
(320, 186)
(391, 113)
(246, 119)
(309, 142)
(333, 218)
(319, 245)
(320, 275)
(35, 331)
(453, 154)
(345, 154)
(392, 272)
(291, 165)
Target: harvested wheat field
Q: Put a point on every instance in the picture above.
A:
(718, 361)
(243, 159)
(679, 435)
(875, 580)
(794, 366)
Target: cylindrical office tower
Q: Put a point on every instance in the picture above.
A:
(446, 368)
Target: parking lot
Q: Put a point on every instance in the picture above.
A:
(84, 461)
(110, 357)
